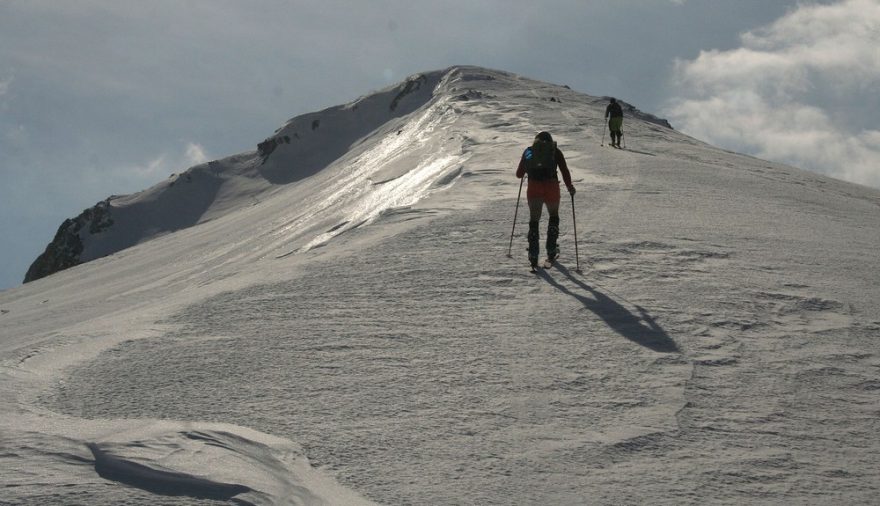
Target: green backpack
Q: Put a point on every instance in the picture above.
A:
(541, 160)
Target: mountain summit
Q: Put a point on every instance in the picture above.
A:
(332, 318)
(304, 146)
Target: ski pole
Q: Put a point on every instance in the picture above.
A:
(575, 228)
(518, 195)
(623, 136)
(604, 127)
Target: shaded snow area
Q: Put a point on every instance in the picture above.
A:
(356, 334)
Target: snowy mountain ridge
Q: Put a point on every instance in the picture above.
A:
(356, 334)
(209, 190)
(302, 147)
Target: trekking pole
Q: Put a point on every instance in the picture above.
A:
(623, 136)
(604, 126)
(510, 248)
(575, 228)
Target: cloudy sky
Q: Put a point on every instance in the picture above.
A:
(102, 97)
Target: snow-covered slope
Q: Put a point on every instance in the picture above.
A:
(302, 147)
(334, 321)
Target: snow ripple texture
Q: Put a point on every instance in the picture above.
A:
(719, 348)
(403, 377)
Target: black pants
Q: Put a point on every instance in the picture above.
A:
(536, 206)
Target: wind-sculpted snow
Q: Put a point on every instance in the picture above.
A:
(162, 462)
(314, 141)
(416, 359)
(116, 468)
(255, 468)
(396, 171)
(305, 146)
(359, 334)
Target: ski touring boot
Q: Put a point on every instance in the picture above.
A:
(534, 246)
(552, 246)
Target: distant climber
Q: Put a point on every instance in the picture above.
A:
(615, 112)
(540, 161)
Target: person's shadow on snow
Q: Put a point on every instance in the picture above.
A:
(640, 329)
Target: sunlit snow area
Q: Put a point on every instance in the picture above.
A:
(333, 319)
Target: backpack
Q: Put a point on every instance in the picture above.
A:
(540, 160)
(615, 110)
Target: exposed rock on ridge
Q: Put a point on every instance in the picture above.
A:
(65, 249)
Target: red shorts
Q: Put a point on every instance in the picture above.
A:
(548, 191)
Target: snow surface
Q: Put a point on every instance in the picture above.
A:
(338, 323)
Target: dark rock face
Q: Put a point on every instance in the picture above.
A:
(266, 147)
(65, 249)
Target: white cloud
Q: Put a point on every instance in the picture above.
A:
(164, 165)
(194, 155)
(802, 90)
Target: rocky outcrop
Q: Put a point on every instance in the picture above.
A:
(413, 84)
(266, 147)
(66, 248)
